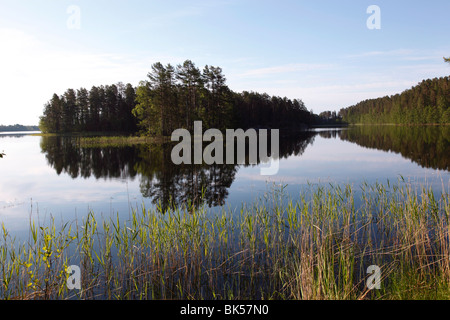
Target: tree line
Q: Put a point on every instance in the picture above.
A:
(18, 127)
(102, 108)
(171, 97)
(426, 103)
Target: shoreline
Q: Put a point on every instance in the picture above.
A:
(316, 247)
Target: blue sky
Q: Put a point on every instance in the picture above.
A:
(319, 51)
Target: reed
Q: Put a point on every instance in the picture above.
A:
(318, 246)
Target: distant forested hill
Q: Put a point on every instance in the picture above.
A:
(426, 103)
(18, 127)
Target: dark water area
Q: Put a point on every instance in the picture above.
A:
(58, 177)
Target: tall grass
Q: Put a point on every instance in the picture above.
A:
(318, 246)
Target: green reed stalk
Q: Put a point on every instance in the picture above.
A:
(318, 246)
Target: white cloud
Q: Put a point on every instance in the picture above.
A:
(163, 20)
(33, 70)
(337, 96)
(397, 52)
(288, 68)
(332, 87)
(402, 55)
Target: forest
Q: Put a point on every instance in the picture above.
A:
(171, 98)
(426, 103)
(102, 108)
(18, 127)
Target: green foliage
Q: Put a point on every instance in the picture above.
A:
(171, 98)
(175, 98)
(252, 109)
(145, 110)
(426, 103)
(317, 246)
(103, 108)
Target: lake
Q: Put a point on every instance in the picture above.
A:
(56, 176)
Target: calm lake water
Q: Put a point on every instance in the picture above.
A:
(54, 176)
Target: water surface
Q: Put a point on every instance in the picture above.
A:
(55, 176)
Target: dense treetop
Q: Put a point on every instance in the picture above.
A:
(171, 97)
(426, 103)
(102, 108)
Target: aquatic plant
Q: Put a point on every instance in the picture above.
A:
(319, 246)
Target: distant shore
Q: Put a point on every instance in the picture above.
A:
(18, 127)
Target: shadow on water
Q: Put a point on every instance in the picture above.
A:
(167, 184)
(428, 146)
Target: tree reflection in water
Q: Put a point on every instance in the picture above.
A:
(167, 184)
(428, 146)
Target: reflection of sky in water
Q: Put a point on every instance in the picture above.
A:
(335, 161)
(27, 180)
(28, 183)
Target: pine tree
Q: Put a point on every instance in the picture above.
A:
(146, 111)
(83, 107)
(216, 108)
(69, 110)
(161, 80)
(95, 104)
(191, 84)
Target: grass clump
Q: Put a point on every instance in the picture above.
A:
(119, 141)
(319, 246)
